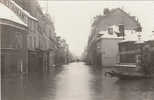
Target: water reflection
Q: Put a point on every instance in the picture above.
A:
(136, 89)
(96, 83)
(75, 81)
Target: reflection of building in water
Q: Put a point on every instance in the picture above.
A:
(96, 85)
(135, 90)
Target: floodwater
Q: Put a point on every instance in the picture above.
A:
(75, 81)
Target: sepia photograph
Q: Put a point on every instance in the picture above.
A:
(77, 49)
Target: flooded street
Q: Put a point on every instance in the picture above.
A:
(43, 44)
(75, 81)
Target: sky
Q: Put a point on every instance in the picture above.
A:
(72, 19)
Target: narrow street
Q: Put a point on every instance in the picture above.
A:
(75, 81)
(55, 50)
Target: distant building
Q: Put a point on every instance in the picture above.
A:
(114, 21)
(62, 54)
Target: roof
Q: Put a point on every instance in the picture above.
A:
(132, 37)
(129, 37)
(105, 34)
(24, 11)
(102, 17)
(131, 17)
(9, 15)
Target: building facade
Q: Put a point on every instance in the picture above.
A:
(113, 17)
(41, 37)
(14, 51)
(108, 50)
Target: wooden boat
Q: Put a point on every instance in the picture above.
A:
(126, 76)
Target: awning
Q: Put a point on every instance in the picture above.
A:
(7, 14)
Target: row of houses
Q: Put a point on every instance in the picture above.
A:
(28, 39)
(107, 31)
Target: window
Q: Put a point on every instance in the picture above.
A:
(18, 41)
(34, 42)
(30, 42)
(110, 31)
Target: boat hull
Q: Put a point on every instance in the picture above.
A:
(124, 76)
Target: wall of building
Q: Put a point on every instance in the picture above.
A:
(128, 51)
(13, 50)
(41, 39)
(102, 23)
(110, 51)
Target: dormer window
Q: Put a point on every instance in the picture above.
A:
(110, 30)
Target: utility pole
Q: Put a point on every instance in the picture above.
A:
(47, 6)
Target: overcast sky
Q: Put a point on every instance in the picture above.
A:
(73, 18)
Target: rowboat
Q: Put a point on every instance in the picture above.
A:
(126, 76)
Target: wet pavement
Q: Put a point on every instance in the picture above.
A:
(75, 81)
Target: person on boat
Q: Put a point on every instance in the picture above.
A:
(146, 59)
